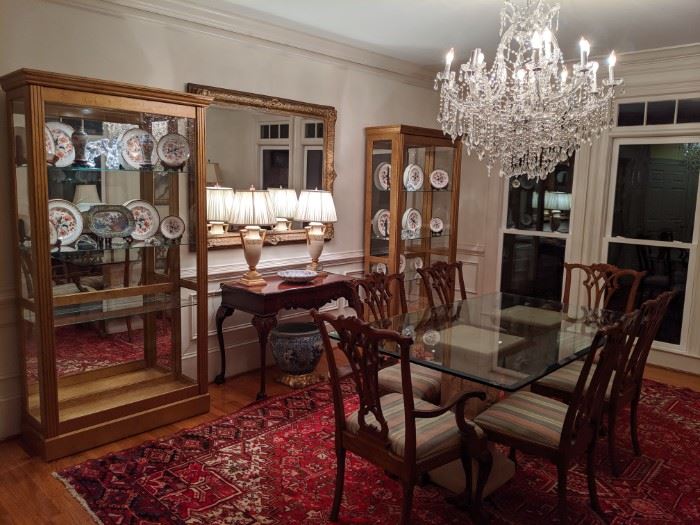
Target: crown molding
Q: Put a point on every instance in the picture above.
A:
(184, 15)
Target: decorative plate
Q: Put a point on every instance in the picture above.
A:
(417, 263)
(66, 219)
(409, 331)
(49, 145)
(527, 184)
(172, 227)
(439, 179)
(382, 176)
(64, 152)
(173, 150)
(413, 177)
(402, 263)
(63, 249)
(515, 183)
(411, 220)
(130, 148)
(109, 221)
(380, 223)
(379, 268)
(146, 219)
(431, 337)
(525, 219)
(436, 225)
(53, 234)
(297, 276)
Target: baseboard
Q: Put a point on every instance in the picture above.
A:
(689, 364)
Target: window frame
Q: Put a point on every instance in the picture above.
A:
(264, 147)
(607, 237)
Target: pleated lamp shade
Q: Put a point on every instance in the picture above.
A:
(219, 203)
(284, 202)
(252, 208)
(315, 206)
(86, 194)
(553, 200)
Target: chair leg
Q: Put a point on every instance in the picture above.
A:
(513, 455)
(590, 473)
(562, 470)
(612, 452)
(407, 503)
(339, 481)
(634, 429)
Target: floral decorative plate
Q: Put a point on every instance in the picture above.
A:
(382, 176)
(411, 220)
(173, 150)
(439, 179)
(413, 177)
(172, 227)
(431, 337)
(146, 219)
(53, 234)
(402, 263)
(64, 152)
(436, 225)
(49, 145)
(109, 221)
(297, 276)
(417, 263)
(130, 148)
(379, 268)
(380, 223)
(66, 219)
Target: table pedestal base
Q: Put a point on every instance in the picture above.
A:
(451, 475)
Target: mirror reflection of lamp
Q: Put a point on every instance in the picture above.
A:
(219, 207)
(252, 208)
(556, 202)
(86, 196)
(213, 173)
(317, 208)
(284, 205)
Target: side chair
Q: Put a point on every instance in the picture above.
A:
(553, 430)
(602, 283)
(403, 435)
(440, 279)
(380, 295)
(625, 388)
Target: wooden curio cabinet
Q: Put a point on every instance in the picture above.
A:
(108, 183)
(410, 217)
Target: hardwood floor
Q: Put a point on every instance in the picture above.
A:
(30, 495)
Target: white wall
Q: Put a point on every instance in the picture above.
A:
(231, 143)
(104, 40)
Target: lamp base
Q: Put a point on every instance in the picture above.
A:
(217, 228)
(252, 278)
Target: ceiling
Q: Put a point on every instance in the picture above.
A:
(420, 31)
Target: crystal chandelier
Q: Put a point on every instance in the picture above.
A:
(528, 112)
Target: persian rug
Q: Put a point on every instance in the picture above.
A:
(274, 463)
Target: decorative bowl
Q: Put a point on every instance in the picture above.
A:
(297, 276)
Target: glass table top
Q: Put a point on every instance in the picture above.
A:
(500, 340)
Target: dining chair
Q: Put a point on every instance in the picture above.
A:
(602, 283)
(545, 427)
(625, 387)
(380, 294)
(440, 278)
(403, 435)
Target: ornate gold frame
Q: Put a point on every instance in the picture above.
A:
(269, 104)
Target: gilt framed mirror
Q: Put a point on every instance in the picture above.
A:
(269, 143)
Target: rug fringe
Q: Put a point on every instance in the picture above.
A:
(78, 497)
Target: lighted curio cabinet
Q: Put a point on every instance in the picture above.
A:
(411, 200)
(105, 277)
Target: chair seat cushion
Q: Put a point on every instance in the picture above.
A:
(433, 435)
(565, 378)
(526, 416)
(425, 381)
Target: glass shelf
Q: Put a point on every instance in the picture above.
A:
(420, 236)
(431, 190)
(73, 253)
(53, 170)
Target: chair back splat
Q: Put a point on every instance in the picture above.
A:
(612, 344)
(602, 282)
(440, 278)
(380, 295)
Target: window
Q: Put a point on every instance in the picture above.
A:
(536, 233)
(654, 113)
(313, 167)
(651, 224)
(274, 131)
(275, 167)
(313, 130)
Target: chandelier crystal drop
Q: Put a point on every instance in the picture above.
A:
(529, 111)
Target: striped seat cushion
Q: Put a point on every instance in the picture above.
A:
(526, 416)
(433, 435)
(425, 381)
(565, 378)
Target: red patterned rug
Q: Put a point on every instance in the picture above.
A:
(273, 463)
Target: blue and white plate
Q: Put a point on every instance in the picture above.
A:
(297, 276)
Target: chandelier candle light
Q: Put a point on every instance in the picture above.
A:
(252, 208)
(528, 112)
(317, 208)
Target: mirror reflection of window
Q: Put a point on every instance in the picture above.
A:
(275, 168)
(313, 167)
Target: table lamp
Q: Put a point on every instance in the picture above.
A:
(219, 208)
(284, 205)
(213, 171)
(317, 208)
(252, 208)
(86, 196)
